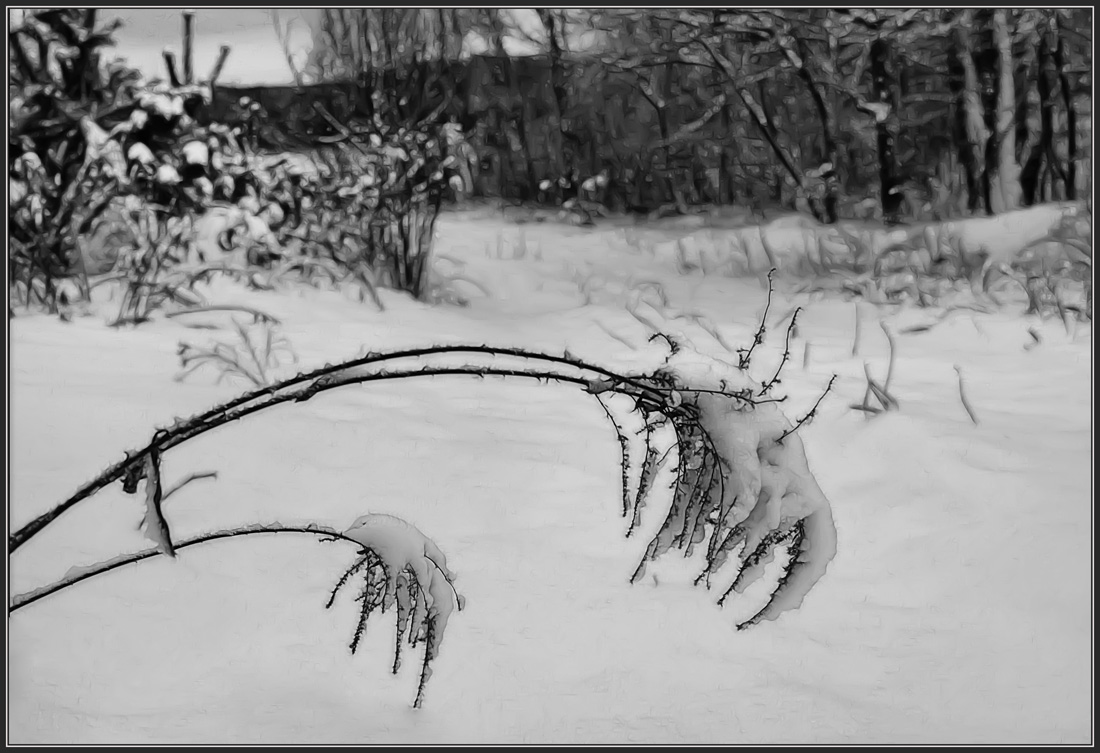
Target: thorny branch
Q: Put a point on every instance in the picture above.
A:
(76, 575)
(699, 496)
(648, 390)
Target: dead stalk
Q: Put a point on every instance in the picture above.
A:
(962, 396)
(855, 337)
(890, 368)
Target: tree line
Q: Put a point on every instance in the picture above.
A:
(897, 112)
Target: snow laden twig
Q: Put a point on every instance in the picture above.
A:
(744, 483)
(741, 471)
(405, 569)
(651, 466)
(153, 523)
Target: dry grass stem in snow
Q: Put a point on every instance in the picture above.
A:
(962, 397)
(254, 355)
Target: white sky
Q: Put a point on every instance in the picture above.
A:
(256, 55)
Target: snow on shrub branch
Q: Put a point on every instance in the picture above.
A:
(745, 473)
(742, 480)
(404, 568)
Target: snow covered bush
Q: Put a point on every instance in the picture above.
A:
(580, 199)
(108, 173)
(145, 267)
(86, 134)
(372, 211)
(92, 147)
(61, 175)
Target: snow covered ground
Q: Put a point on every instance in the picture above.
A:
(958, 608)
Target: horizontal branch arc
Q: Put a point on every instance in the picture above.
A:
(238, 408)
(21, 600)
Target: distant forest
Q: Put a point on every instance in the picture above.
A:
(895, 114)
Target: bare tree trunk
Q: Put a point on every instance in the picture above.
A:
(1028, 102)
(725, 168)
(961, 142)
(828, 127)
(1005, 181)
(657, 101)
(1060, 62)
(673, 190)
(529, 190)
(1042, 158)
(557, 83)
(972, 113)
(762, 122)
(887, 127)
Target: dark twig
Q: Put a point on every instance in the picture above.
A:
(425, 670)
(808, 416)
(962, 396)
(1036, 340)
(650, 465)
(76, 575)
(858, 331)
(876, 389)
(751, 560)
(890, 368)
(257, 315)
(794, 541)
(192, 477)
(672, 342)
(745, 356)
(786, 355)
(355, 567)
(624, 460)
